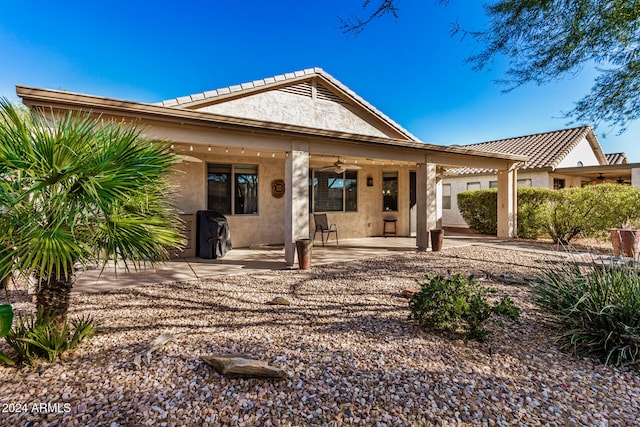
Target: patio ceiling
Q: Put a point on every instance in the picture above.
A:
(602, 173)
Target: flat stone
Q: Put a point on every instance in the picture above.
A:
(239, 366)
(279, 301)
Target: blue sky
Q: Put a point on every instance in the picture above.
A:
(411, 69)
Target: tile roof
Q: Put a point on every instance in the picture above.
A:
(279, 80)
(617, 158)
(545, 150)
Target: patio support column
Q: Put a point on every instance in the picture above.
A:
(426, 215)
(635, 177)
(296, 192)
(507, 203)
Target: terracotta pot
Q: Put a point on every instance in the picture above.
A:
(615, 241)
(630, 242)
(437, 239)
(303, 247)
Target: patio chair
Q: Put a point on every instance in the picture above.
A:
(322, 225)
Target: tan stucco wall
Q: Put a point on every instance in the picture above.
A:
(267, 227)
(283, 107)
(635, 177)
(368, 221)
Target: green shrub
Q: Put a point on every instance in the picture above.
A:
(532, 211)
(591, 211)
(456, 304)
(596, 309)
(33, 338)
(479, 208)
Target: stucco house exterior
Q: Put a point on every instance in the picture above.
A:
(563, 158)
(270, 153)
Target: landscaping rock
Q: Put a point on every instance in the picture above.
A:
(279, 301)
(239, 366)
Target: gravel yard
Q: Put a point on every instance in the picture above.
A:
(351, 355)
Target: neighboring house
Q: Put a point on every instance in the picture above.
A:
(270, 153)
(558, 159)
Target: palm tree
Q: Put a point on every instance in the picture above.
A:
(74, 191)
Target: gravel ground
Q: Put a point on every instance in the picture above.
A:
(352, 356)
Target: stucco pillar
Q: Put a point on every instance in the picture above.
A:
(507, 203)
(426, 215)
(296, 193)
(635, 177)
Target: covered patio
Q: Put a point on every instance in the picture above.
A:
(261, 260)
(306, 144)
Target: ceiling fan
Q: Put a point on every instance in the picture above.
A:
(339, 167)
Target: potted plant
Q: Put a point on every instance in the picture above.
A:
(629, 240)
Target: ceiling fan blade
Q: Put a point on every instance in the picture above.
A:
(353, 167)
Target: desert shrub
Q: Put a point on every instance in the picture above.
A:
(479, 208)
(33, 337)
(596, 309)
(532, 211)
(456, 304)
(591, 211)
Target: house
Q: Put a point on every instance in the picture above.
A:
(272, 152)
(557, 159)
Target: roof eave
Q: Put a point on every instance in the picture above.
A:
(63, 100)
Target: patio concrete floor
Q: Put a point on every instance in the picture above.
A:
(264, 259)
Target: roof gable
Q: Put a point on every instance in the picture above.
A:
(617, 158)
(545, 150)
(310, 98)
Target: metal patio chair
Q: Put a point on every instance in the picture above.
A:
(322, 225)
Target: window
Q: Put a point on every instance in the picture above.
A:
(446, 196)
(333, 192)
(558, 184)
(389, 191)
(473, 186)
(232, 189)
(526, 182)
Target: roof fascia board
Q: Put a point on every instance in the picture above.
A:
(592, 139)
(603, 168)
(47, 98)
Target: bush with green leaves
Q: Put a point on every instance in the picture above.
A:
(456, 304)
(33, 337)
(479, 208)
(563, 215)
(591, 211)
(596, 309)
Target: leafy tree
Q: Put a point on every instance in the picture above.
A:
(73, 189)
(545, 40)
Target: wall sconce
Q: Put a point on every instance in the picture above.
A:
(369, 181)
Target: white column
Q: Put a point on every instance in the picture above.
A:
(635, 177)
(296, 216)
(426, 215)
(507, 203)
